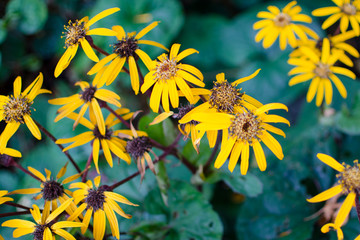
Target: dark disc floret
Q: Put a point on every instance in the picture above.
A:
(138, 146)
(126, 47)
(98, 135)
(95, 198)
(39, 230)
(88, 93)
(52, 190)
(183, 110)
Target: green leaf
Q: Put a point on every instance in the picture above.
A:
(189, 214)
(30, 15)
(148, 230)
(3, 31)
(154, 131)
(348, 120)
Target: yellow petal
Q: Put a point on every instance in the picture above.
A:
(146, 30)
(161, 117)
(88, 50)
(259, 155)
(101, 15)
(99, 224)
(330, 162)
(225, 151)
(331, 192)
(345, 209)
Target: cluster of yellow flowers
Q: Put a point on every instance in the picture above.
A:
(241, 121)
(316, 59)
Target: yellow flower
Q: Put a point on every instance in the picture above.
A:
(321, 72)
(16, 109)
(78, 32)
(349, 182)
(242, 130)
(52, 191)
(223, 97)
(281, 24)
(109, 142)
(126, 50)
(345, 10)
(46, 226)
(337, 46)
(99, 202)
(89, 97)
(167, 74)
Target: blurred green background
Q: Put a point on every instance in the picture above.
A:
(260, 205)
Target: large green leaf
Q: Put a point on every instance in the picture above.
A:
(348, 120)
(189, 215)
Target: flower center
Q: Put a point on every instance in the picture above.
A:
(183, 110)
(95, 198)
(16, 108)
(224, 97)
(74, 32)
(322, 70)
(349, 9)
(39, 230)
(246, 126)
(166, 69)
(126, 47)
(52, 190)
(88, 93)
(282, 20)
(98, 135)
(350, 178)
(138, 146)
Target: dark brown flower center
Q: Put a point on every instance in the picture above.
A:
(95, 198)
(126, 47)
(39, 230)
(138, 146)
(16, 108)
(52, 190)
(98, 135)
(88, 93)
(224, 97)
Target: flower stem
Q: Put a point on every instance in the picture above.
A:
(15, 164)
(166, 152)
(60, 146)
(16, 205)
(88, 163)
(14, 213)
(117, 115)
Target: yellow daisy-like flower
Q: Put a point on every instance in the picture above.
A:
(88, 98)
(16, 109)
(281, 24)
(126, 50)
(167, 75)
(46, 226)
(109, 142)
(77, 33)
(223, 97)
(51, 190)
(99, 202)
(242, 130)
(321, 71)
(349, 182)
(337, 46)
(345, 10)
